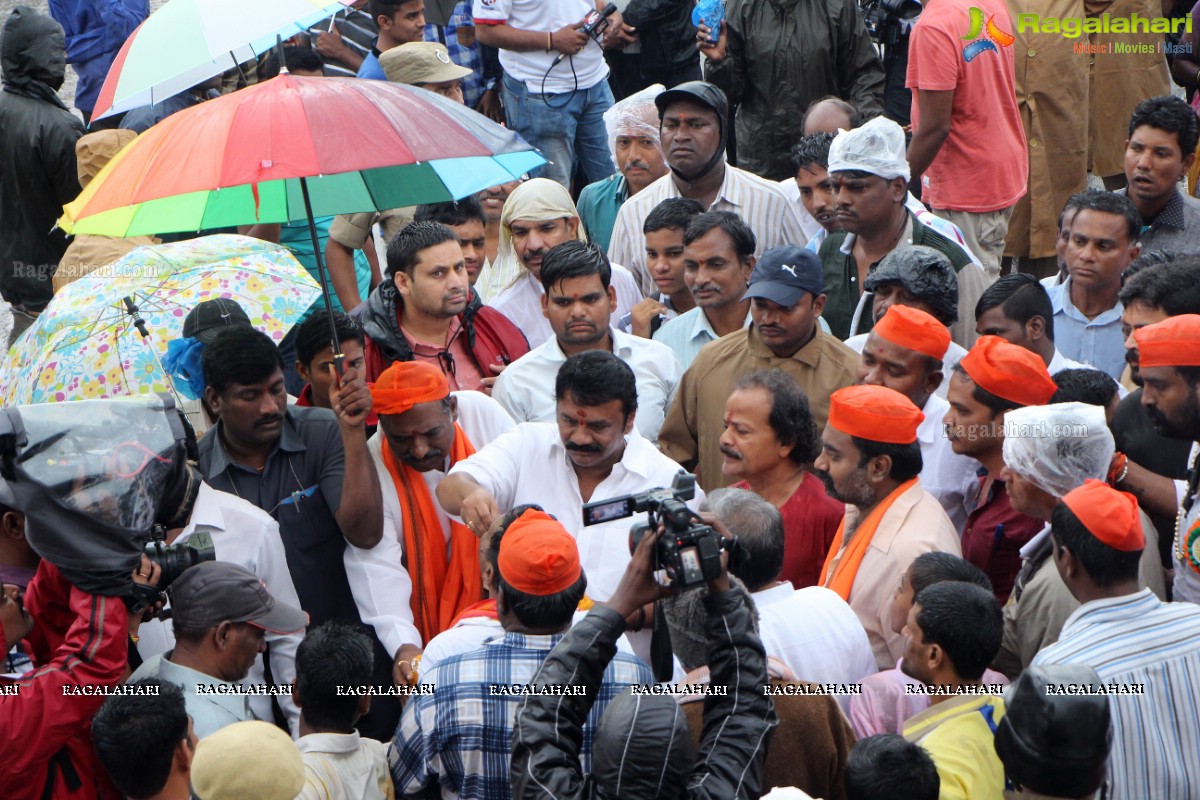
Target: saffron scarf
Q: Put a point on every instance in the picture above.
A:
(841, 578)
(442, 587)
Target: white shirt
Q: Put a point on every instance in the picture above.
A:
(525, 389)
(530, 66)
(954, 354)
(529, 465)
(945, 474)
(381, 585)
(760, 203)
(815, 632)
(245, 535)
(344, 766)
(522, 303)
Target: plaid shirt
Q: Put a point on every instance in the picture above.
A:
(460, 737)
(468, 56)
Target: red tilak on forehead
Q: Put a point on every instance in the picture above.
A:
(581, 414)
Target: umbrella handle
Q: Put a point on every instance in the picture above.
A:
(138, 322)
(339, 358)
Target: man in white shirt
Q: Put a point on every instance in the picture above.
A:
(812, 630)
(423, 430)
(555, 88)
(905, 352)
(593, 452)
(538, 216)
(579, 302)
(694, 120)
(243, 534)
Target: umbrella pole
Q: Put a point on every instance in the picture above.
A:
(339, 358)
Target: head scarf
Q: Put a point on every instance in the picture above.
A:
(1058, 447)
(406, 384)
(537, 199)
(876, 146)
(636, 115)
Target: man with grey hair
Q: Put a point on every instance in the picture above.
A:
(811, 630)
(869, 174)
(1048, 451)
(769, 436)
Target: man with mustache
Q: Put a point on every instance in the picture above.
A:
(309, 468)
(591, 451)
(1104, 239)
(870, 174)
(579, 301)
(1169, 361)
(422, 312)
(633, 138)
(537, 217)
(785, 301)
(693, 123)
(426, 569)
(769, 437)
(1156, 468)
(870, 460)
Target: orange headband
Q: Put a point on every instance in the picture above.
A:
(875, 413)
(407, 383)
(914, 329)
(1009, 371)
(1174, 342)
(538, 556)
(1109, 515)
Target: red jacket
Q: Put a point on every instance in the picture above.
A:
(80, 639)
(491, 337)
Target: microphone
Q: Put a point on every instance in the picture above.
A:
(593, 25)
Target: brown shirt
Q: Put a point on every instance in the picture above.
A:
(692, 430)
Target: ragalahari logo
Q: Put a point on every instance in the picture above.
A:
(994, 35)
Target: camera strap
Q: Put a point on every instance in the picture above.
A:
(662, 659)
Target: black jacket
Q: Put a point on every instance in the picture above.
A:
(666, 33)
(38, 174)
(643, 749)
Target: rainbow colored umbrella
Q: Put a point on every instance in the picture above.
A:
(87, 344)
(186, 42)
(297, 148)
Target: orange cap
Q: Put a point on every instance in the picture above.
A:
(538, 556)
(1009, 371)
(875, 413)
(1109, 515)
(915, 329)
(407, 383)
(1174, 342)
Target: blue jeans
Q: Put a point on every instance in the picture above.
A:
(573, 132)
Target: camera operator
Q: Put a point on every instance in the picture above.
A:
(890, 22)
(643, 744)
(79, 642)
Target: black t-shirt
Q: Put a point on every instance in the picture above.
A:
(1136, 437)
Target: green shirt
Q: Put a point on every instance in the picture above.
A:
(842, 291)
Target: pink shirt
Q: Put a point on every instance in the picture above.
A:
(452, 358)
(983, 165)
(883, 705)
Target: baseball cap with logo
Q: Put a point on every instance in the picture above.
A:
(784, 274)
(213, 592)
(420, 62)
(211, 317)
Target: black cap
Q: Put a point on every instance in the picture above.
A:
(696, 92)
(211, 317)
(1053, 742)
(213, 592)
(784, 274)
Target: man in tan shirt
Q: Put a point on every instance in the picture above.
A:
(786, 294)
(870, 459)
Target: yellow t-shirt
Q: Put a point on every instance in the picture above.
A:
(958, 737)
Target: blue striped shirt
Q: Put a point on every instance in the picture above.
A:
(1138, 639)
(459, 739)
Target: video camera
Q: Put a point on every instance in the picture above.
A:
(690, 553)
(881, 17)
(94, 478)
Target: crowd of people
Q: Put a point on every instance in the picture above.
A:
(940, 399)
